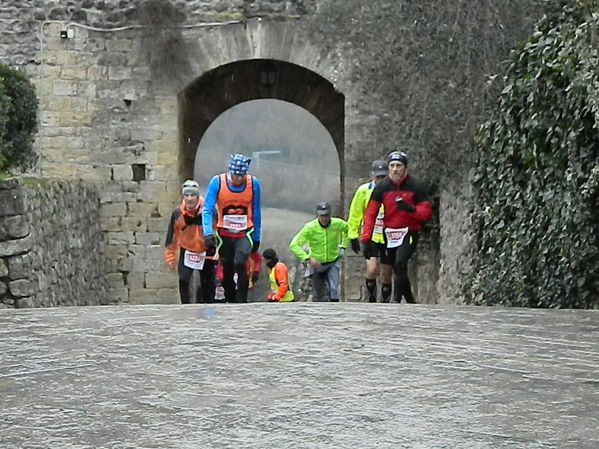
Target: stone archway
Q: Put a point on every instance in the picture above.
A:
(205, 98)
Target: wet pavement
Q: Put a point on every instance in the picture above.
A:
(301, 375)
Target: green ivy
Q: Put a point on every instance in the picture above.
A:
(18, 119)
(536, 210)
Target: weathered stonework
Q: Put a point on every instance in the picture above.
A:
(113, 106)
(52, 252)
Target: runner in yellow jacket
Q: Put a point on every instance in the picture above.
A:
(354, 221)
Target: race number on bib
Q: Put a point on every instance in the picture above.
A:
(194, 261)
(235, 223)
(378, 224)
(395, 236)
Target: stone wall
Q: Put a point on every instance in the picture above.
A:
(111, 102)
(51, 245)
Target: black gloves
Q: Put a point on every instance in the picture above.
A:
(369, 249)
(355, 245)
(402, 205)
(210, 244)
(255, 246)
(255, 277)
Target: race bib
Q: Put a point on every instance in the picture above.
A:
(395, 236)
(194, 261)
(378, 224)
(235, 223)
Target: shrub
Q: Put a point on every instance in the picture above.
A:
(18, 118)
(536, 210)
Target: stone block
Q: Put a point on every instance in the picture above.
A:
(110, 224)
(3, 269)
(25, 303)
(96, 73)
(115, 280)
(12, 247)
(162, 280)
(19, 267)
(163, 173)
(21, 288)
(150, 238)
(73, 72)
(136, 280)
(141, 210)
(124, 265)
(3, 233)
(113, 210)
(118, 197)
(122, 172)
(12, 202)
(16, 226)
(64, 87)
(120, 238)
(3, 289)
(115, 295)
(87, 89)
(148, 260)
(158, 224)
(154, 296)
(119, 73)
(134, 224)
(152, 190)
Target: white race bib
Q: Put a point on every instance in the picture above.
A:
(395, 236)
(235, 223)
(194, 261)
(378, 224)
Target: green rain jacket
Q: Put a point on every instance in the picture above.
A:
(324, 243)
(356, 213)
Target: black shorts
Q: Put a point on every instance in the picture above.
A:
(381, 254)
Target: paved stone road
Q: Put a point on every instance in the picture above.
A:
(304, 375)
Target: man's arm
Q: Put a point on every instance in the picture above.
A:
(371, 211)
(170, 245)
(356, 213)
(296, 244)
(208, 211)
(344, 239)
(256, 210)
(422, 205)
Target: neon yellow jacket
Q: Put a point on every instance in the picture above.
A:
(356, 214)
(324, 243)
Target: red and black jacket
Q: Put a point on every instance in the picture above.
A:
(412, 191)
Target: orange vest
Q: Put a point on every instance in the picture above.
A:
(234, 208)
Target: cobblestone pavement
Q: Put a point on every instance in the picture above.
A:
(302, 375)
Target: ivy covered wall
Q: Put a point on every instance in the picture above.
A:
(536, 181)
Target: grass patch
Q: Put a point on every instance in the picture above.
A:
(35, 182)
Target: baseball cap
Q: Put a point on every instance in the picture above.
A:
(323, 208)
(379, 168)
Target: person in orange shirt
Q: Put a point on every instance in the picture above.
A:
(280, 290)
(185, 235)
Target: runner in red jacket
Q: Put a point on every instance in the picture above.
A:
(406, 207)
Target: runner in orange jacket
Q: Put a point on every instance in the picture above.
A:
(185, 235)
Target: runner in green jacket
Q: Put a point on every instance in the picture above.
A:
(354, 221)
(326, 238)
